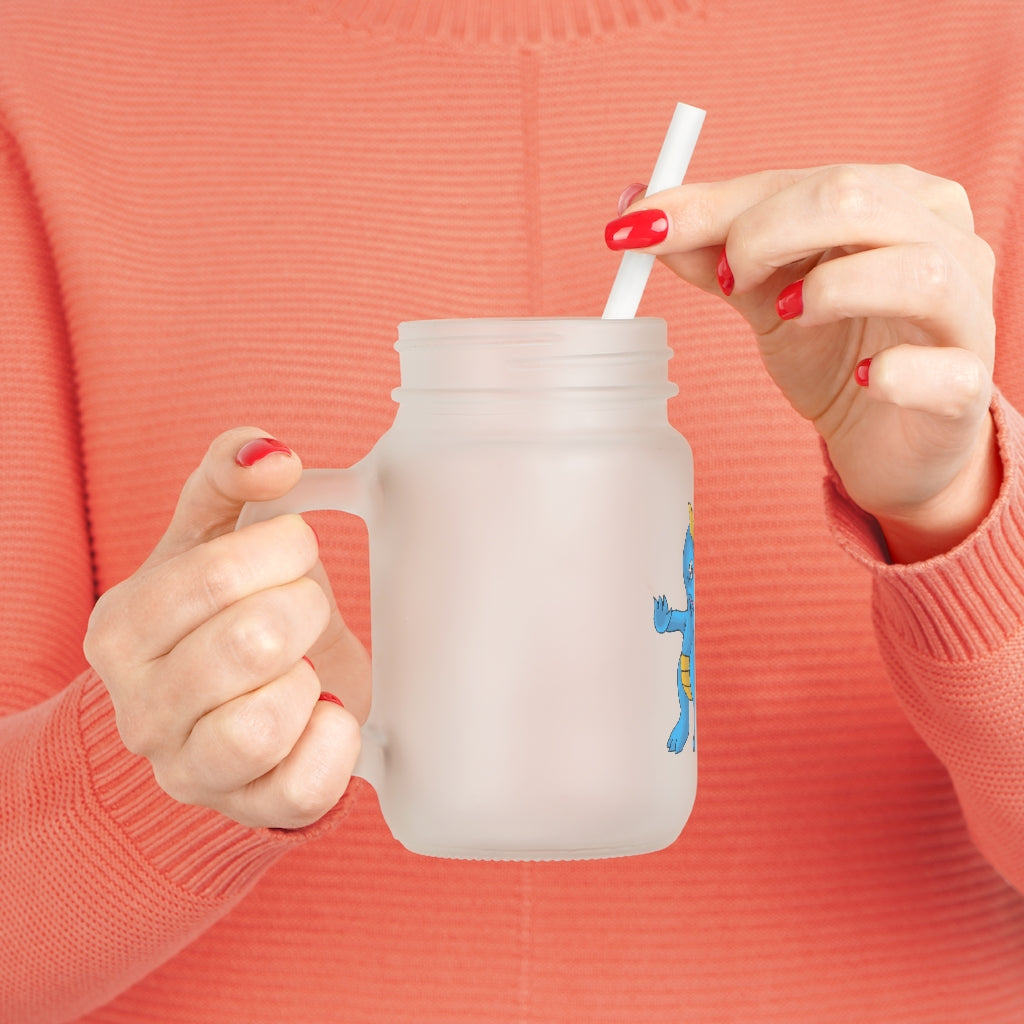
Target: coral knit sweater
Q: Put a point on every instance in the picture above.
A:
(215, 213)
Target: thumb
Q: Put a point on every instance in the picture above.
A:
(241, 465)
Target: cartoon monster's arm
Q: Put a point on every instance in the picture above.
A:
(668, 620)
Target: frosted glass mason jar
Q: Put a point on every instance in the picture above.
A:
(530, 527)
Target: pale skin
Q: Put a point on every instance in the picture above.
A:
(892, 271)
(202, 649)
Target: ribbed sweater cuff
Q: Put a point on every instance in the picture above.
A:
(194, 848)
(964, 603)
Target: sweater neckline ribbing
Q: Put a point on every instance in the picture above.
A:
(520, 22)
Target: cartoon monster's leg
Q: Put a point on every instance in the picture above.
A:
(679, 735)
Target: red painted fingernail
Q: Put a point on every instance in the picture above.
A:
(309, 663)
(724, 274)
(790, 303)
(331, 698)
(861, 373)
(628, 195)
(252, 451)
(637, 230)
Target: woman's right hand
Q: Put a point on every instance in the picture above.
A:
(203, 650)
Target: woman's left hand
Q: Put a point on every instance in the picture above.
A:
(870, 297)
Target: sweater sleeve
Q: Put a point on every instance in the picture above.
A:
(951, 631)
(102, 876)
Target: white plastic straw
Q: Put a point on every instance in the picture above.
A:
(674, 158)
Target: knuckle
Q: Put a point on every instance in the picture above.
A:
(254, 733)
(136, 734)
(310, 795)
(956, 382)
(96, 643)
(902, 173)
(254, 641)
(848, 194)
(104, 641)
(931, 271)
(263, 634)
(326, 765)
(953, 195)
(221, 581)
(950, 201)
(778, 180)
(971, 382)
(952, 408)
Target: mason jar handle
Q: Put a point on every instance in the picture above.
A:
(332, 490)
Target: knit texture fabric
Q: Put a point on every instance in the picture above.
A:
(215, 214)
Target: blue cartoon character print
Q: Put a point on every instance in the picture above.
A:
(670, 620)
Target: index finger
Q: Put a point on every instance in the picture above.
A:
(171, 599)
(701, 214)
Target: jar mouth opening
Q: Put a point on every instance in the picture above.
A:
(593, 331)
(535, 355)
